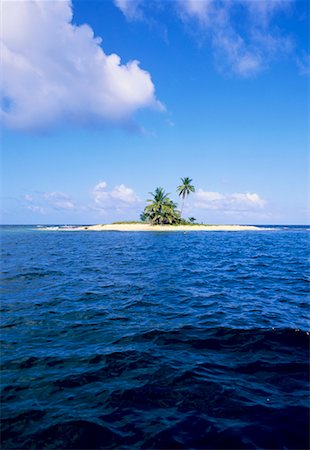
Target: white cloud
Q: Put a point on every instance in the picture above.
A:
(28, 198)
(100, 187)
(264, 10)
(241, 32)
(303, 64)
(232, 54)
(120, 196)
(117, 199)
(54, 71)
(246, 49)
(237, 202)
(58, 200)
(207, 12)
(124, 194)
(130, 8)
(36, 209)
(31, 205)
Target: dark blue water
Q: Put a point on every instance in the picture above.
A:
(155, 340)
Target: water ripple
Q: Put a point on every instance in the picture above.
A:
(124, 340)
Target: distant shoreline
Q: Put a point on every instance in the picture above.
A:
(148, 228)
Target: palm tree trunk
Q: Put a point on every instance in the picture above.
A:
(182, 206)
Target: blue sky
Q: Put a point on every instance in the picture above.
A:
(220, 93)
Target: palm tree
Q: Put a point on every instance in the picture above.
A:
(185, 189)
(161, 209)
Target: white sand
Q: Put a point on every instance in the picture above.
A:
(146, 227)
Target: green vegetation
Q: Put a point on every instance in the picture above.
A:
(161, 210)
(185, 189)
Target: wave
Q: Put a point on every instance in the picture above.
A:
(32, 275)
(154, 341)
(221, 337)
(183, 388)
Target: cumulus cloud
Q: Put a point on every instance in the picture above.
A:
(54, 71)
(119, 197)
(237, 202)
(103, 199)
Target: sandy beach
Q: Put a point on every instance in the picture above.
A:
(147, 227)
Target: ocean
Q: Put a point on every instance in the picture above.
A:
(196, 340)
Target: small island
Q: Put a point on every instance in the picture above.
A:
(139, 226)
(162, 214)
